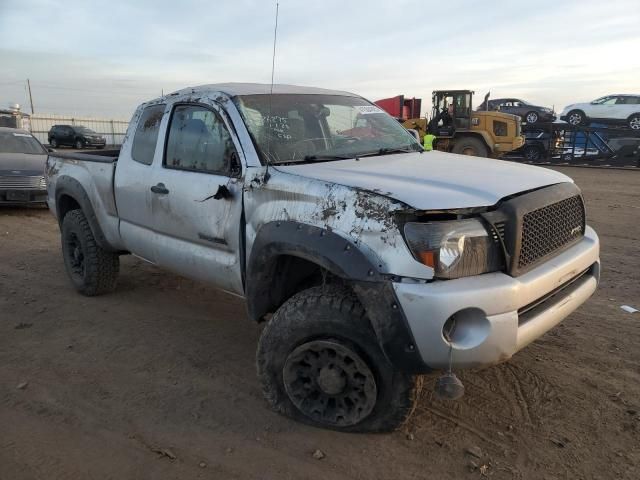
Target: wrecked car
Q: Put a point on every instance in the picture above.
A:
(370, 261)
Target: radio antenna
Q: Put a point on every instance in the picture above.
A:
(273, 68)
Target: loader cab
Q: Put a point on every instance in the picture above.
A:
(451, 111)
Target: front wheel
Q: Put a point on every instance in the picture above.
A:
(79, 144)
(92, 270)
(533, 153)
(319, 362)
(470, 146)
(576, 117)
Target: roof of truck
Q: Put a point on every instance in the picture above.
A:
(234, 89)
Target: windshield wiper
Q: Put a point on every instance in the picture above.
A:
(389, 151)
(325, 158)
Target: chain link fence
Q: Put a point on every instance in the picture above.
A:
(113, 130)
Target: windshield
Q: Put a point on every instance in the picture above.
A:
(288, 128)
(84, 130)
(19, 142)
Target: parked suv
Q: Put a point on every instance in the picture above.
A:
(527, 112)
(75, 136)
(621, 109)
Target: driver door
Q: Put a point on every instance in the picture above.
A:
(196, 198)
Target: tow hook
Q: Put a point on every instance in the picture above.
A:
(448, 385)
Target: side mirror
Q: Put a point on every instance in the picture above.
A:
(235, 167)
(414, 133)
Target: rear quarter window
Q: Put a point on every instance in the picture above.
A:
(146, 137)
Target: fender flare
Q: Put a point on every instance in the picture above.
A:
(69, 186)
(334, 253)
(344, 258)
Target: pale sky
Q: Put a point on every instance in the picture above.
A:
(102, 58)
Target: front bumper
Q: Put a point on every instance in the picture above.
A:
(497, 314)
(22, 197)
(95, 142)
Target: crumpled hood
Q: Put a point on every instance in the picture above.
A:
(432, 180)
(22, 164)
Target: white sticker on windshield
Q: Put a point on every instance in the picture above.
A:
(365, 109)
(22, 135)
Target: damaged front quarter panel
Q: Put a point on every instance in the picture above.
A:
(365, 218)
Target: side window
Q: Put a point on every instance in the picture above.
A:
(199, 141)
(499, 128)
(146, 137)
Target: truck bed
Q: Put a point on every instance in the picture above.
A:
(101, 156)
(90, 176)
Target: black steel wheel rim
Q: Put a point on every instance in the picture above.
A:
(330, 383)
(75, 254)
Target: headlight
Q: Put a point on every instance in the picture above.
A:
(454, 249)
(546, 110)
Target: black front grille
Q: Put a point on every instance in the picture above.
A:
(550, 228)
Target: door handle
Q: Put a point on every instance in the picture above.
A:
(160, 189)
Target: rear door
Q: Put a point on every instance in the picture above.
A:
(627, 105)
(196, 199)
(133, 182)
(66, 135)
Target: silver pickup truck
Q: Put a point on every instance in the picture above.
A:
(370, 261)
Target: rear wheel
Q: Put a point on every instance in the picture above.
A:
(470, 146)
(54, 143)
(634, 122)
(92, 270)
(576, 117)
(319, 362)
(531, 117)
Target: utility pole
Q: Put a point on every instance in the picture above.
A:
(30, 97)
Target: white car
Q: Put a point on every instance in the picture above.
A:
(623, 108)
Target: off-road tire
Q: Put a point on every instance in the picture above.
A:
(470, 146)
(333, 314)
(99, 271)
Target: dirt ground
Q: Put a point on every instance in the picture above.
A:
(157, 380)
